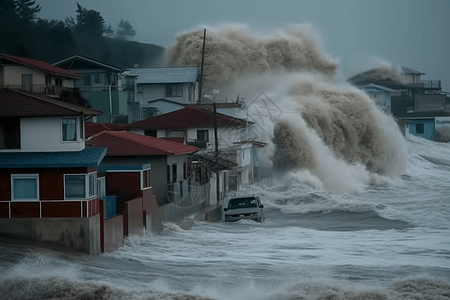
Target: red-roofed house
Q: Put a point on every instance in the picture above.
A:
(34, 75)
(50, 187)
(196, 125)
(168, 172)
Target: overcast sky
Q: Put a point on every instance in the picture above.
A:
(412, 33)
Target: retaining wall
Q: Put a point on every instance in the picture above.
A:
(80, 234)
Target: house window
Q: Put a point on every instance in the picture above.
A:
(92, 185)
(174, 173)
(97, 78)
(9, 133)
(146, 179)
(80, 186)
(74, 186)
(25, 187)
(82, 128)
(202, 136)
(174, 90)
(181, 189)
(87, 80)
(101, 187)
(168, 174)
(419, 128)
(150, 133)
(69, 129)
(27, 82)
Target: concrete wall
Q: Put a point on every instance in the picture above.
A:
(45, 135)
(79, 234)
(113, 234)
(133, 222)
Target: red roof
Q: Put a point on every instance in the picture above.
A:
(15, 103)
(46, 67)
(187, 117)
(94, 128)
(180, 140)
(123, 143)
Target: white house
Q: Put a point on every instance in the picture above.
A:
(178, 84)
(35, 76)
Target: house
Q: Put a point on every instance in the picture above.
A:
(196, 125)
(177, 84)
(50, 187)
(418, 105)
(105, 88)
(35, 76)
(160, 107)
(167, 168)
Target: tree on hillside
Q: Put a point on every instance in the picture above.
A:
(26, 10)
(125, 30)
(89, 22)
(109, 32)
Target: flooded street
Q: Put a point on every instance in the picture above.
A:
(390, 241)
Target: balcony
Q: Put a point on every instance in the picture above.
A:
(41, 88)
(427, 84)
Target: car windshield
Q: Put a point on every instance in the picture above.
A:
(242, 203)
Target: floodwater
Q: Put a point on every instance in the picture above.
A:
(390, 241)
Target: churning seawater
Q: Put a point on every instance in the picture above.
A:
(390, 241)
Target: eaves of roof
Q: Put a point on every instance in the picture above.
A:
(24, 104)
(40, 65)
(88, 157)
(89, 60)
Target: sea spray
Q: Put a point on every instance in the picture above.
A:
(332, 130)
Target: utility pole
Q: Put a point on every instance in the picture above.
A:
(201, 70)
(216, 142)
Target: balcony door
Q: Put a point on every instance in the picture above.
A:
(27, 82)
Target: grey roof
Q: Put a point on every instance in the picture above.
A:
(88, 60)
(407, 70)
(165, 100)
(88, 157)
(164, 75)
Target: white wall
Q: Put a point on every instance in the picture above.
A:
(44, 134)
(13, 75)
(158, 91)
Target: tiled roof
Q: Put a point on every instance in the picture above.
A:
(89, 157)
(180, 140)
(188, 117)
(15, 103)
(122, 143)
(43, 66)
(94, 128)
(164, 75)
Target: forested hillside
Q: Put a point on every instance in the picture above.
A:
(23, 33)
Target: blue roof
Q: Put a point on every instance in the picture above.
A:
(164, 75)
(89, 157)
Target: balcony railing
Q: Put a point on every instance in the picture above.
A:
(427, 84)
(40, 88)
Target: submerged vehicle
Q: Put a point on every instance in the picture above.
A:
(244, 207)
